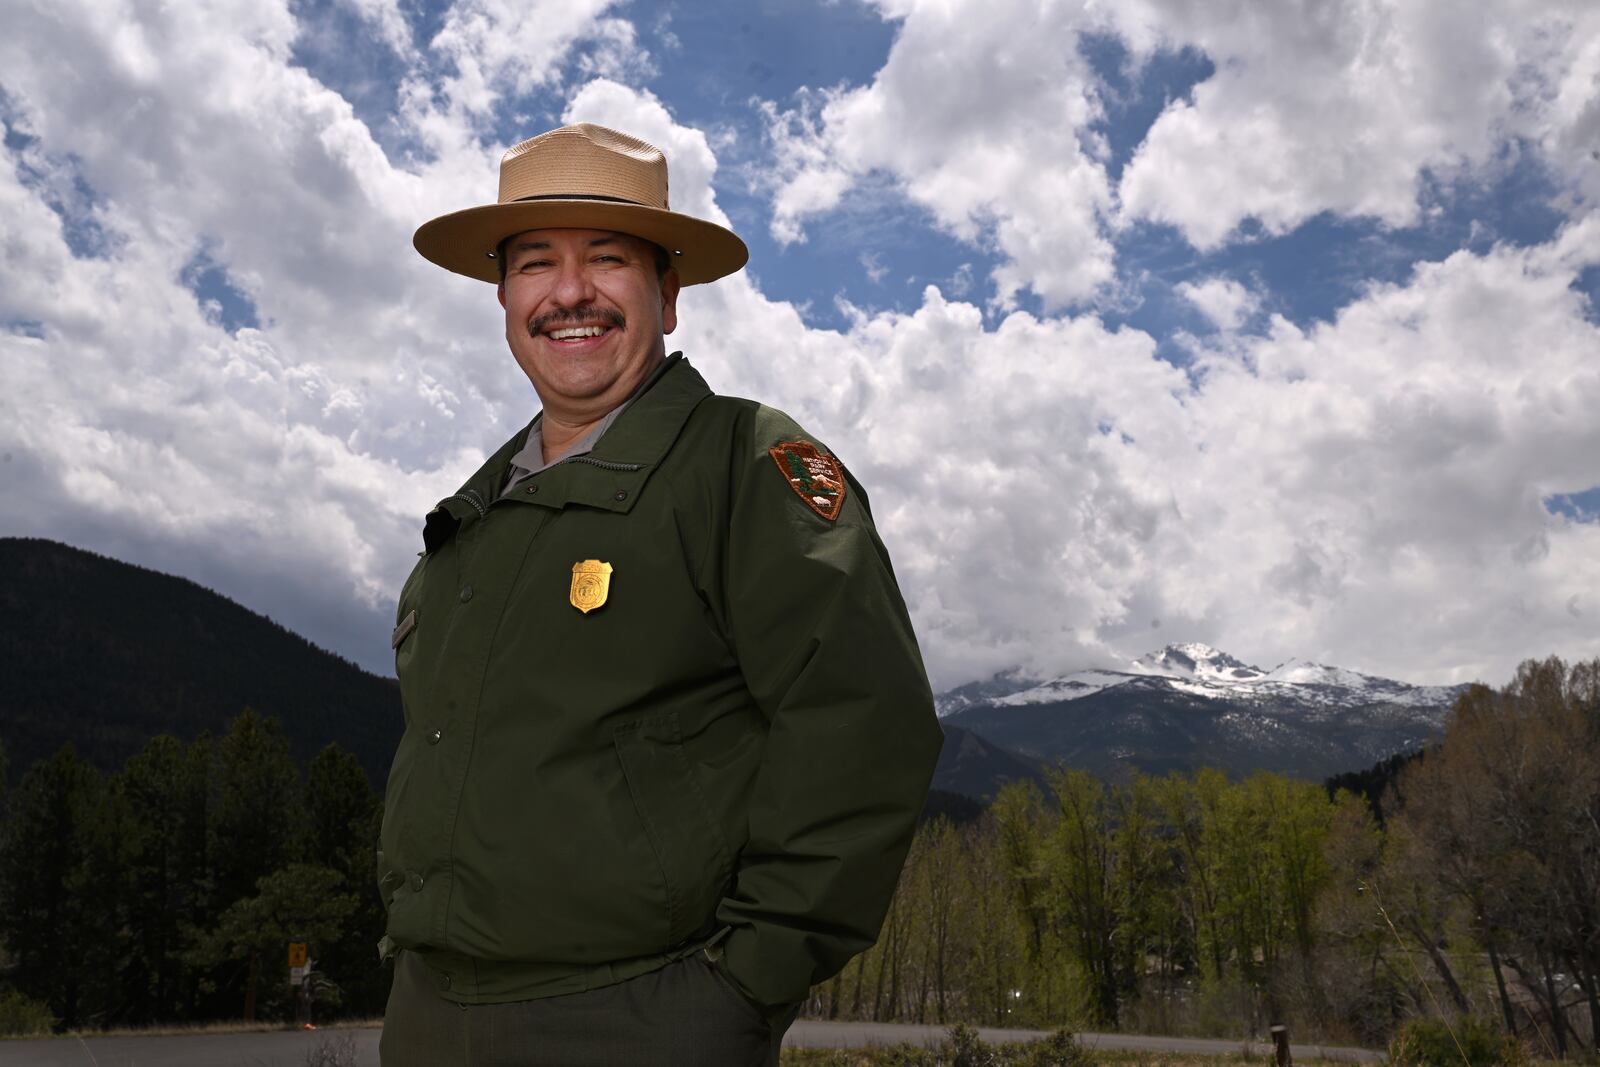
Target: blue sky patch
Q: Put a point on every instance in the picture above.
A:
(766, 50)
(1580, 507)
(1135, 94)
(368, 77)
(224, 303)
(1588, 283)
(61, 185)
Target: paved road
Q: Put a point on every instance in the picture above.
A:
(293, 1048)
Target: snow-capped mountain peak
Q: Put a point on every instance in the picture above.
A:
(1203, 671)
(1197, 662)
(1192, 705)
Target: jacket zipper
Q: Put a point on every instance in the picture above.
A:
(601, 463)
(470, 496)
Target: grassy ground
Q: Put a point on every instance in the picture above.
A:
(223, 1027)
(963, 1049)
(816, 1057)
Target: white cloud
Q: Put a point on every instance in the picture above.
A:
(1225, 302)
(985, 114)
(394, 29)
(980, 116)
(492, 51)
(1365, 491)
(291, 463)
(1390, 466)
(1348, 105)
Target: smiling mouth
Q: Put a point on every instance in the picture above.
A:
(576, 333)
(570, 326)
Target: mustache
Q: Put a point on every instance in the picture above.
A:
(578, 316)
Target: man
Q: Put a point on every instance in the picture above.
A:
(667, 729)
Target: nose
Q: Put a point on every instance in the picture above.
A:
(572, 286)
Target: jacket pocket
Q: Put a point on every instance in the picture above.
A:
(689, 848)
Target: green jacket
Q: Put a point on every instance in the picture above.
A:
(731, 749)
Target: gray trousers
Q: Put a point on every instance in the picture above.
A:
(683, 1015)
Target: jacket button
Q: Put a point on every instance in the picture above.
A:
(433, 738)
(414, 881)
(622, 494)
(531, 489)
(466, 593)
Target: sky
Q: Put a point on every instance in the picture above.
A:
(1270, 326)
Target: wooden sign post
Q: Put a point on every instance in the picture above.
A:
(1280, 1044)
(299, 972)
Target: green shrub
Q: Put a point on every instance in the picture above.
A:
(961, 1047)
(966, 1049)
(22, 1016)
(1060, 1049)
(1465, 1042)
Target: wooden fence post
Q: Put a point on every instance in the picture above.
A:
(1280, 1043)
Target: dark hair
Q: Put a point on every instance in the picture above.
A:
(662, 257)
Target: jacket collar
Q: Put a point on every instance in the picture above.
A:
(611, 476)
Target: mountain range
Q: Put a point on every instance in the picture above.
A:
(1190, 705)
(107, 655)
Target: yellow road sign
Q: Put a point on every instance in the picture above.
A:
(297, 953)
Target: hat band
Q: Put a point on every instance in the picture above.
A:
(580, 196)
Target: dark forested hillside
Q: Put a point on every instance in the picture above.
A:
(1375, 784)
(107, 655)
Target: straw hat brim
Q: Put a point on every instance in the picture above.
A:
(465, 241)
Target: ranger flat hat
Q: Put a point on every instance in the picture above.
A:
(585, 177)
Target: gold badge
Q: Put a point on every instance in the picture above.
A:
(591, 581)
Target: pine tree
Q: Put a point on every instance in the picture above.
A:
(163, 794)
(255, 820)
(59, 919)
(256, 815)
(301, 901)
(342, 819)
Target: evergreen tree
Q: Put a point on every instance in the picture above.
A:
(342, 821)
(256, 814)
(163, 792)
(60, 920)
(299, 902)
(340, 808)
(255, 820)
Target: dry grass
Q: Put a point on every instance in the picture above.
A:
(821, 1057)
(224, 1027)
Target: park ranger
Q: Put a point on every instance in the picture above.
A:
(667, 728)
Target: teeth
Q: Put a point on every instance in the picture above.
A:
(577, 331)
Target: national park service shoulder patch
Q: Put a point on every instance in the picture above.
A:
(815, 476)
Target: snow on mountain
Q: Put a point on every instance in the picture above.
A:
(1198, 663)
(1202, 671)
(985, 691)
(1191, 705)
(1070, 687)
(1347, 687)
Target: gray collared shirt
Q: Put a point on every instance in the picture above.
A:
(530, 459)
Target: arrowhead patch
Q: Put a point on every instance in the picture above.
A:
(814, 476)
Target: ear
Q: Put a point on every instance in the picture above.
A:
(500, 291)
(669, 301)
